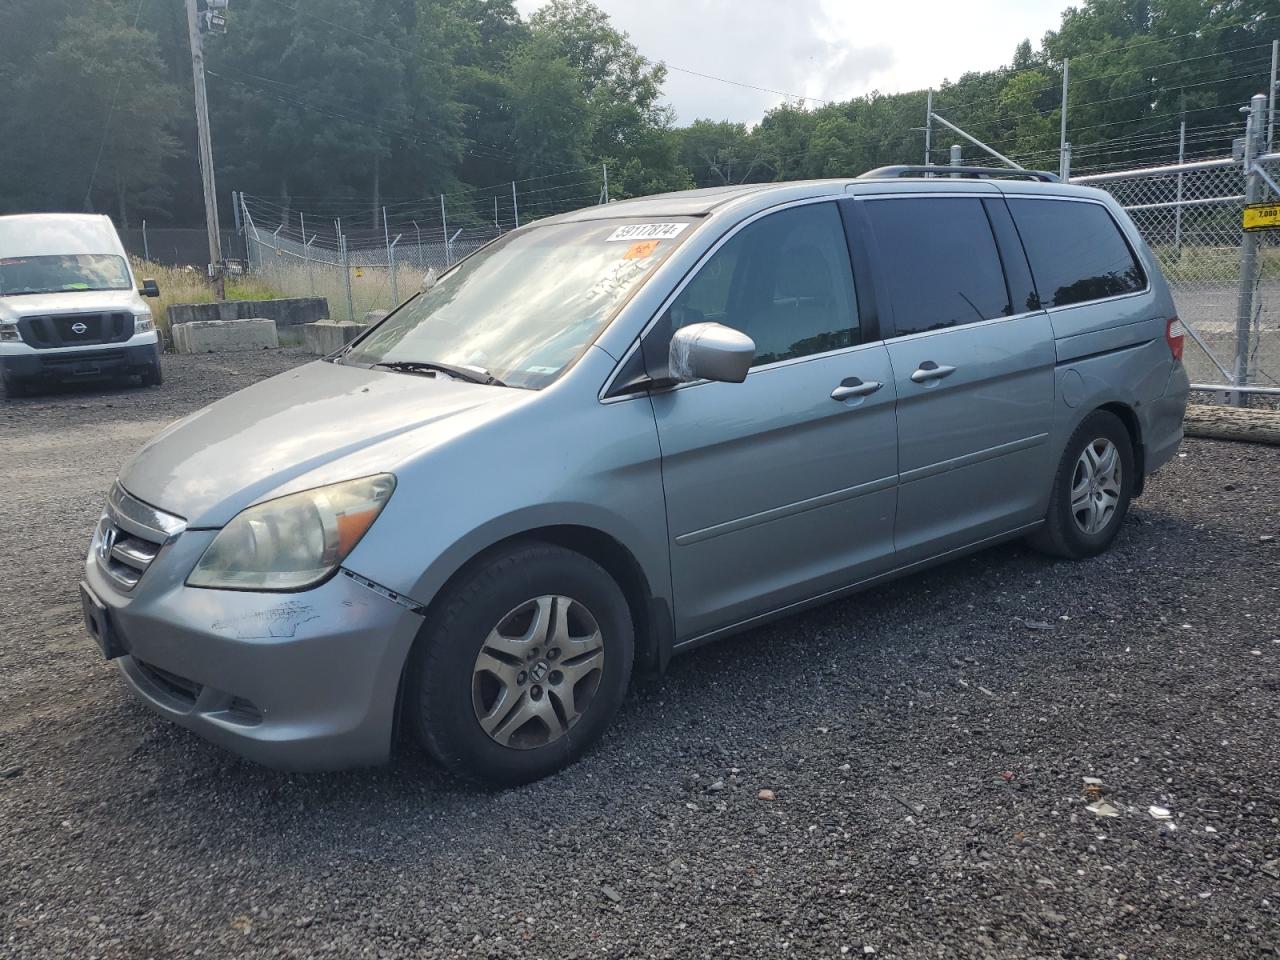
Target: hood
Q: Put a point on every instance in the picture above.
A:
(321, 423)
(14, 308)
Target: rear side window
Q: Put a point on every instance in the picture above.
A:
(1077, 251)
(939, 259)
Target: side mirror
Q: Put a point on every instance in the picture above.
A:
(150, 288)
(711, 351)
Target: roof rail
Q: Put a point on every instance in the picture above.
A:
(908, 170)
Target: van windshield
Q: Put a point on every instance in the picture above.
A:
(527, 305)
(63, 273)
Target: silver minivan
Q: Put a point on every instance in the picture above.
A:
(614, 435)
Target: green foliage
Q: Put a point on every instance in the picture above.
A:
(355, 101)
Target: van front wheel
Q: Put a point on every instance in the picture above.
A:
(522, 664)
(1091, 491)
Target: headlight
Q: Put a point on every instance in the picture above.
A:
(9, 331)
(142, 323)
(295, 541)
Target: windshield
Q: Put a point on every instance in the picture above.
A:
(527, 305)
(63, 272)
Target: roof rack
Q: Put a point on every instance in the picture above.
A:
(908, 170)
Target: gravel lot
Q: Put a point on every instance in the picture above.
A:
(925, 744)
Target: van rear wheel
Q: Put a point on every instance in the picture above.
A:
(1092, 490)
(522, 665)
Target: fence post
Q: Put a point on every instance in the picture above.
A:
(956, 155)
(346, 271)
(514, 206)
(391, 267)
(1253, 145)
(444, 232)
(1177, 211)
(146, 247)
(1271, 96)
(391, 262)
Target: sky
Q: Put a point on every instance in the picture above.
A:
(824, 49)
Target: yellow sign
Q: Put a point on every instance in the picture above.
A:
(1262, 216)
(359, 271)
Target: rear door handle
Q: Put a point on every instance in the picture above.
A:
(851, 387)
(931, 371)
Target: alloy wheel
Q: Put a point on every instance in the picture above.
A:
(537, 672)
(1096, 486)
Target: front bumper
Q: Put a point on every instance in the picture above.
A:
(81, 363)
(301, 681)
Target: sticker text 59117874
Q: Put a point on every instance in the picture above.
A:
(646, 231)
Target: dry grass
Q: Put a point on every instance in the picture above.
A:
(185, 285)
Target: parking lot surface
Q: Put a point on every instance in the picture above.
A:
(924, 745)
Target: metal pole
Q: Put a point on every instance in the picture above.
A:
(206, 152)
(605, 167)
(391, 267)
(146, 248)
(418, 233)
(306, 253)
(444, 232)
(1271, 97)
(1253, 144)
(1177, 214)
(496, 228)
(1064, 157)
(514, 206)
(346, 270)
(978, 143)
(391, 259)
(956, 159)
(928, 127)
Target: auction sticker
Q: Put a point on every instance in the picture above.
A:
(646, 231)
(638, 251)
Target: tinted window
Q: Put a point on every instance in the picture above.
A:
(1076, 250)
(939, 259)
(784, 281)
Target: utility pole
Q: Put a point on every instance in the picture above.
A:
(1064, 150)
(206, 149)
(928, 127)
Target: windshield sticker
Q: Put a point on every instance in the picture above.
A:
(638, 251)
(646, 231)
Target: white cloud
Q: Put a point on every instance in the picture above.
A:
(824, 49)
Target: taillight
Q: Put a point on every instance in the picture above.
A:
(1173, 335)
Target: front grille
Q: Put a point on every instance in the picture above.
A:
(76, 329)
(130, 536)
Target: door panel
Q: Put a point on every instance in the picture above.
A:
(973, 449)
(974, 370)
(775, 491)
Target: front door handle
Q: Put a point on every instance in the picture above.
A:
(931, 371)
(853, 387)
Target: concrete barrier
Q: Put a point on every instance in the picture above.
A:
(323, 339)
(287, 312)
(219, 336)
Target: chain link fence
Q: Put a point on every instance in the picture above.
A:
(1191, 217)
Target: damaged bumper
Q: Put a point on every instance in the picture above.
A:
(297, 681)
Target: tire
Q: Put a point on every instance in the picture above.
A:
(152, 375)
(1086, 481)
(486, 696)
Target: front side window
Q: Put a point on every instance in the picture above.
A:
(784, 280)
(63, 273)
(523, 308)
(939, 260)
(1076, 250)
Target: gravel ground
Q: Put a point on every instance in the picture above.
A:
(924, 744)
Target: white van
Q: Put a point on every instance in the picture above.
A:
(69, 305)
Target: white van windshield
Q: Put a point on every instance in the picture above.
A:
(527, 305)
(63, 273)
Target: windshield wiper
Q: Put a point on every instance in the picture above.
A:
(427, 366)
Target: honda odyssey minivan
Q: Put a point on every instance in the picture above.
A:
(613, 435)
